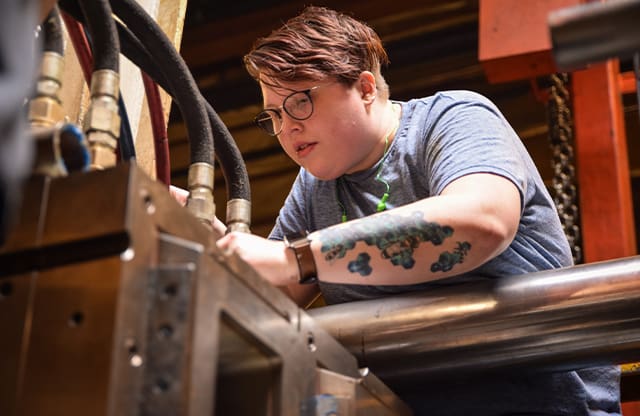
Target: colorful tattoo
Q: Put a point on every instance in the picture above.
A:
(361, 265)
(397, 238)
(447, 260)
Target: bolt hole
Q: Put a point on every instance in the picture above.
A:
(148, 203)
(170, 290)
(161, 386)
(6, 289)
(135, 359)
(76, 319)
(311, 342)
(165, 331)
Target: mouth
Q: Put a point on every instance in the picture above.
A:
(304, 149)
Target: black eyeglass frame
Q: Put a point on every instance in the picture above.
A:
(269, 111)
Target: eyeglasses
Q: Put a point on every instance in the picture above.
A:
(298, 105)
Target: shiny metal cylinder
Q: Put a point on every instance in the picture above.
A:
(50, 77)
(105, 82)
(239, 215)
(200, 185)
(562, 319)
(101, 123)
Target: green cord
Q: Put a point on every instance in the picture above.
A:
(343, 217)
(382, 204)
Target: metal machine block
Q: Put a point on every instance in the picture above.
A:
(121, 304)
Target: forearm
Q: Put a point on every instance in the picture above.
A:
(430, 239)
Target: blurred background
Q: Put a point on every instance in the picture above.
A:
(432, 45)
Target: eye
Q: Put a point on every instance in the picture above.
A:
(300, 100)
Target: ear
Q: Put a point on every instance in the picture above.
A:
(367, 86)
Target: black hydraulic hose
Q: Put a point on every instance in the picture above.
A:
(177, 74)
(126, 149)
(227, 152)
(104, 36)
(230, 158)
(52, 30)
(80, 40)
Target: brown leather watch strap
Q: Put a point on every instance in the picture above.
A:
(301, 247)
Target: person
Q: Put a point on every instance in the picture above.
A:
(399, 196)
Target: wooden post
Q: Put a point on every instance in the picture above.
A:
(603, 166)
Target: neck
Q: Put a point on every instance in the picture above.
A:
(393, 124)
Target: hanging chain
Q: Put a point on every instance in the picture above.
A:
(564, 184)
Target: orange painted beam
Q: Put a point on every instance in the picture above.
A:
(514, 41)
(606, 208)
(631, 408)
(627, 82)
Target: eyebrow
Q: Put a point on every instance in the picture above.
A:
(291, 91)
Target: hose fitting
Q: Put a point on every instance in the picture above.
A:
(102, 121)
(200, 185)
(239, 215)
(60, 150)
(45, 108)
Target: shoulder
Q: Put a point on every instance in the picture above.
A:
(449, 111)
(446, 100)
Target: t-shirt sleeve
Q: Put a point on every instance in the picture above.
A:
(292, 215)
(470, 135)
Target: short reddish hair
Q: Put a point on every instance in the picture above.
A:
(316, 45)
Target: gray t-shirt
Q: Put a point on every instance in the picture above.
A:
(442, 138)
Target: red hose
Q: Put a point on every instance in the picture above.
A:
(160, 140)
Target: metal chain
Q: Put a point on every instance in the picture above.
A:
(564, 183)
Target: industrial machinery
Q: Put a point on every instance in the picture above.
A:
(134, 311)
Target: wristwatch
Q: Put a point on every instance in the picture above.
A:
(301, 246)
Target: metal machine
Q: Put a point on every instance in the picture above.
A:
(134, 311)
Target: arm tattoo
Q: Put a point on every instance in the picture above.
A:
(447, 260)
(397, 238)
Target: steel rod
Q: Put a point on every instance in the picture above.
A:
(561, 319)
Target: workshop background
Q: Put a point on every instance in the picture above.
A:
(432, 46)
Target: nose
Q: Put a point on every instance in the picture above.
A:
(289, 124)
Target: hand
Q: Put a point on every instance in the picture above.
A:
(181, 195)
(271, 259)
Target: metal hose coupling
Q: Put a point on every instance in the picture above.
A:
(45, 108)
(60, 150)
(200, 186)
(239, 215)
(102, 121)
